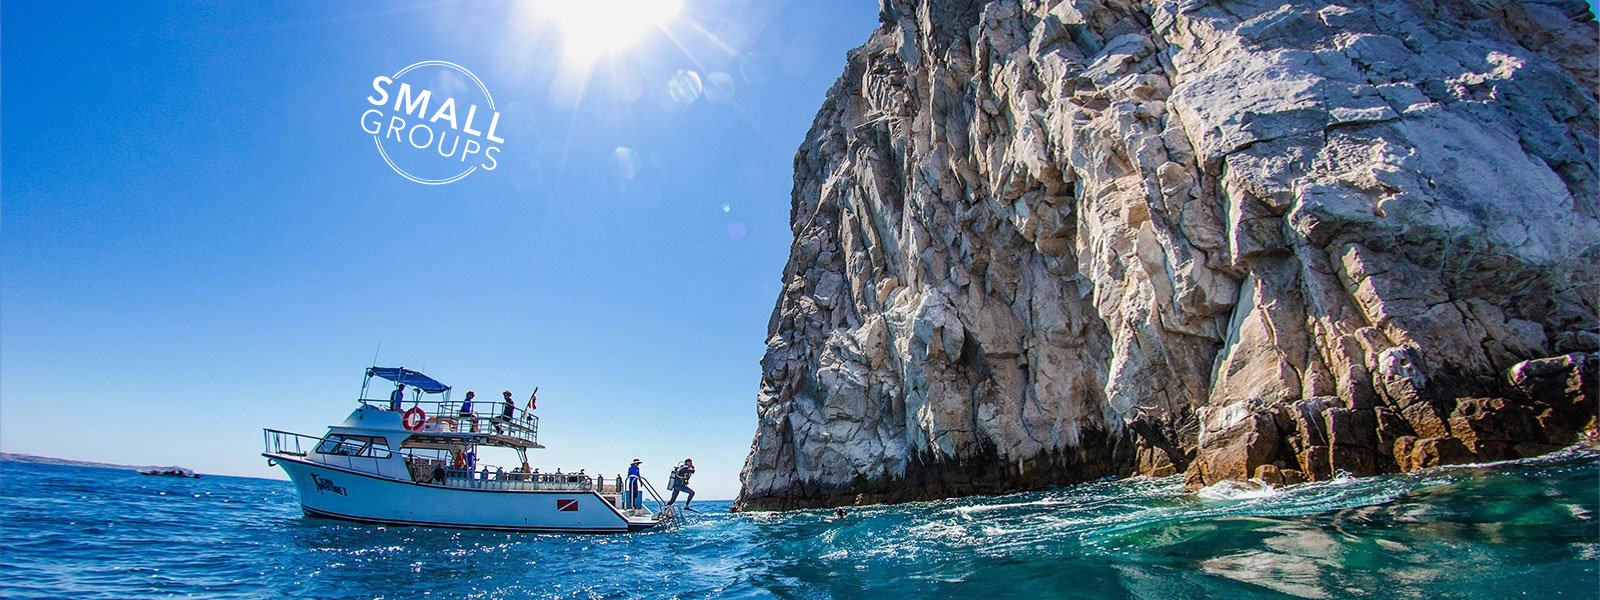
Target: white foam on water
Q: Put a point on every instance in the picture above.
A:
(980, 508)
(997, 531)
(1236, 490)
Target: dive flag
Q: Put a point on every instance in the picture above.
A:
(533, 399)
(568, 505)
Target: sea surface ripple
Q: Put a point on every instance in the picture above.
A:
(1518, 529)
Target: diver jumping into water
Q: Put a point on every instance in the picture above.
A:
(679, 482)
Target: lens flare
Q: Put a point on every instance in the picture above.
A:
(684, 88)
(719, 87)
(753, 67)
(627, 162)
(447, 84)
(527, 174)
(736, 229)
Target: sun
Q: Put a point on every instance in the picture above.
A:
(591, 29)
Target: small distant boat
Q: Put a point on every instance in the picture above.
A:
(171, 472)
(416, 467)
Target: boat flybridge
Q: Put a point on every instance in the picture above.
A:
(418, 465)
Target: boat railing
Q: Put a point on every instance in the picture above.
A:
(491, 477)
(485, 417)
(629, 502)
(292, 444)
(611, 487)
(306, 447)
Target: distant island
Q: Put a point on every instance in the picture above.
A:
(48, 460)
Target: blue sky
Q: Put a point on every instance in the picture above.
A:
(199, 241)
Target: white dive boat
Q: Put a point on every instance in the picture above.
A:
(415, 467)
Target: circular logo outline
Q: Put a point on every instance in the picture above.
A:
(379, 142)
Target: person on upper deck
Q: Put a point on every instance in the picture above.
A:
(465, 414)
(507, 408)
(397, 397)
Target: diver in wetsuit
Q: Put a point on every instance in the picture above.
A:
(680, 482)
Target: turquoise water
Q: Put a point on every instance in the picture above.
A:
(1522, 529)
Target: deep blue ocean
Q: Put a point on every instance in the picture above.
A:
(1522, 529)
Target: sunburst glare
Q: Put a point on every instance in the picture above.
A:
(591, 30)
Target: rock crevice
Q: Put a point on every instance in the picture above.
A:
(1039, 242)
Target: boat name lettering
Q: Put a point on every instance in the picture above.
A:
(326, 485)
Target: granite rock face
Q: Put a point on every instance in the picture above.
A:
(1039, 242)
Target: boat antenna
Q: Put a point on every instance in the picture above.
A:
(367, 377)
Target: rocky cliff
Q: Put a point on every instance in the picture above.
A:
(1042, 242)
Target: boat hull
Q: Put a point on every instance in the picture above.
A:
(350, 495)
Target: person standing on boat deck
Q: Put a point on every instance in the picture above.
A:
(466, 413)
(680, 482)
(507, 408)
(397, 397)
(634, 494)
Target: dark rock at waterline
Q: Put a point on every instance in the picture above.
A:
(1558, 403)
(1036, 243)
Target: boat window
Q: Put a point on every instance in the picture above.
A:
(354, 445)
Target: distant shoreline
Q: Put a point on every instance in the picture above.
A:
(49, 460)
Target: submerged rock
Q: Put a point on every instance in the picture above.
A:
(1038, 243)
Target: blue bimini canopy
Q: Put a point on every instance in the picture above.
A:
(409, 377)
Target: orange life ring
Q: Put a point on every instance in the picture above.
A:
(413, 419)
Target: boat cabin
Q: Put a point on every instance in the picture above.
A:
(434, 439)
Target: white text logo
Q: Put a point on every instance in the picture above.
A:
(435, 122)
